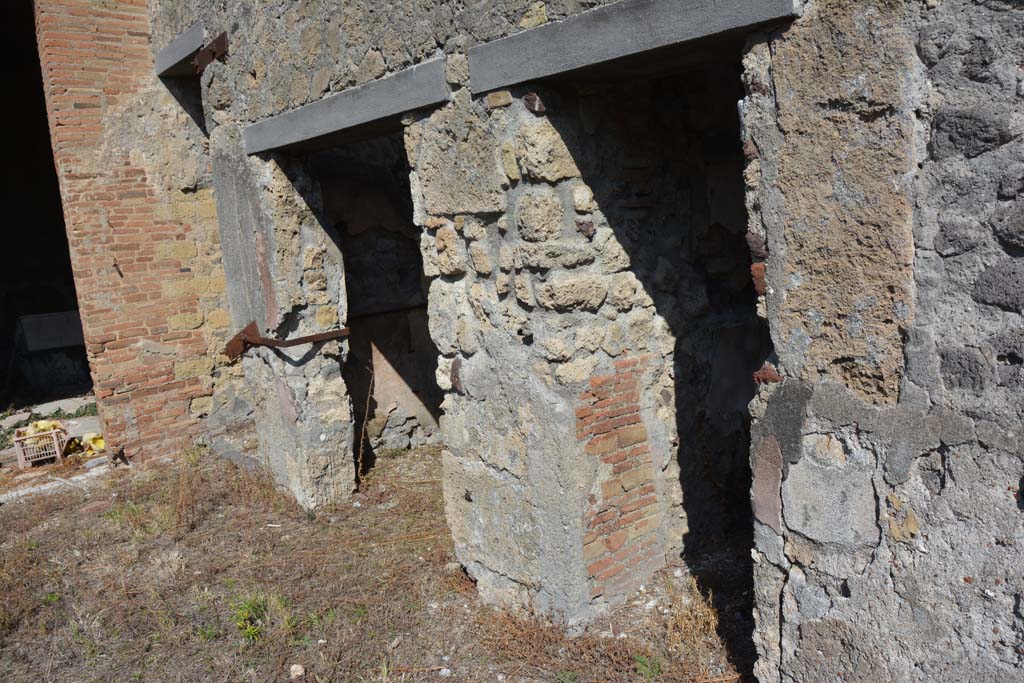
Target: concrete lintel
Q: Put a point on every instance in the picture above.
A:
(611, 32)
(174, 59)
(423, 85)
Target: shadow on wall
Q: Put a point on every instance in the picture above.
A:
(664, 161)
(188, 91)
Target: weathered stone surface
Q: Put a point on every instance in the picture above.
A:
(829, 103)
(572, 292)
(451, 251)
(543, 154)
(829, 497)
(185, 321)
(553, 254)
(1008, 224)
(577, 371)
(539, 216)
(1002, 285)
(966, 368)
(876, 556)
(969, 132)
(958, 235)
(458, 165)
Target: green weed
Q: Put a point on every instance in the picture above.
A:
(648, 667)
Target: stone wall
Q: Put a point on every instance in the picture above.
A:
(584, 256)
(285, 272)
(142, 228)
(289, 53)
(883, 138)
(591, 303)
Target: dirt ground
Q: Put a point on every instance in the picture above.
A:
(194, 570)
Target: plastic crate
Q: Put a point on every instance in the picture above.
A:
(33, 448)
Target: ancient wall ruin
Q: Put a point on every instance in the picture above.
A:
(784, 263)
(885, 143)
(588, 244)
(135, 183)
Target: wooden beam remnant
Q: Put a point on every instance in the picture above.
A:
(326, 120)
(176, 58)
(601, 35)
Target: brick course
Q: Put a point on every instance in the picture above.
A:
(620, 545)
(135, 256)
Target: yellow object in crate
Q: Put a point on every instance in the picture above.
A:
(41, 440)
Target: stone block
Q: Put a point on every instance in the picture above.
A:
(480, 257)
(201, 405)
(179, 249)
(543, 154)
(565, 292)
(832, 503)
(451, 251)
(583, 199)
(219, 318)
(1008, 224)
(539, 216)
(577, 371)
(185, 321)
(958, 235)
(535, 15)
(499, 98)
(327, 317)
(509, 161)
(970, 132)
(459, 167)
(966, 368)
(1002, 285)
(196, 367)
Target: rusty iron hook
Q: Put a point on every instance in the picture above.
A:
(250, 336)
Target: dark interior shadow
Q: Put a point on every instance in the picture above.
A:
(363, 202)
(36, 278)
(664, 160)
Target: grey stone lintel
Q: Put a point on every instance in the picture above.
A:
(361, 108)
(175, 59)
(629, 27)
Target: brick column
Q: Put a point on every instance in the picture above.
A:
(134, 256)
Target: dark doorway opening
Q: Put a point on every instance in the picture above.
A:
(663, 156)
(42, 352)
(391, 366)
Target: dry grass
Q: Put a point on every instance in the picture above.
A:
(200, 572)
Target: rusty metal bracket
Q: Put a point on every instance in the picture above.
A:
(217, 48)
(250, 336)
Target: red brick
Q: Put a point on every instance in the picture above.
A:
(758, 275)
(615, 541)
(636, 505)
(599, 566)
(91, 59)
(767, 374)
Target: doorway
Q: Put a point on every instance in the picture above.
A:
(391, 365)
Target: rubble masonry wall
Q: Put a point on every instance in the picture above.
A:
(884, 180)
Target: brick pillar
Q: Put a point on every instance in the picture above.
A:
(134, 259)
